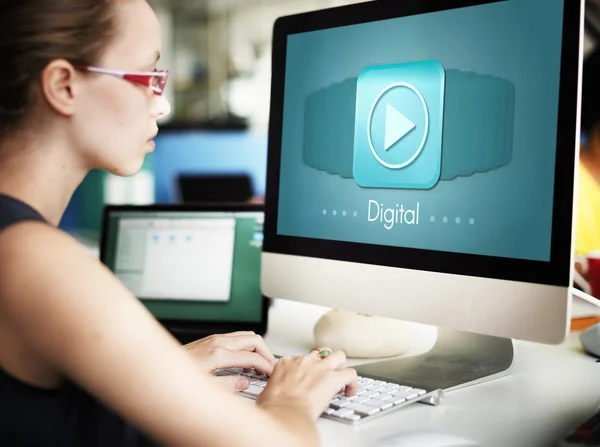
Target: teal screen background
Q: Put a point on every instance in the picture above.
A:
(245, 302)
(495, 193)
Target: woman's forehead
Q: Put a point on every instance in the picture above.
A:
(137, 38)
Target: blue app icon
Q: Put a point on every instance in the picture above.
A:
(398, 125)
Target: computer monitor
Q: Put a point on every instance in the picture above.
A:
(185, 151)
(195, 267)
(421, 163)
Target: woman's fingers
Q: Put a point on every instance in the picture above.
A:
(235, 334)
(350, 378)
(345, 380)
(335, 360)
(225, 358)
(247, 342)
(234, 383)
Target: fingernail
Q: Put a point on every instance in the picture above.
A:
(242, 384)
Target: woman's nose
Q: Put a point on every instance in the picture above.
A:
(160, 107)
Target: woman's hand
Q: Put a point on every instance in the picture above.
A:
(235, 350)
(310, 381)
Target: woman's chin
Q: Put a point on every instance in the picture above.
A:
(127, 169)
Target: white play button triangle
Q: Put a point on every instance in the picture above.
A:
(396, 126)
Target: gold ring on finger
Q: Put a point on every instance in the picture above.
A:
(324, 352)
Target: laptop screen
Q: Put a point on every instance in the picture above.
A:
(189, 265)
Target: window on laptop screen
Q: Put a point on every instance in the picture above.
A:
(195, 266)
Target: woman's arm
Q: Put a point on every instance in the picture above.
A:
(77, 316)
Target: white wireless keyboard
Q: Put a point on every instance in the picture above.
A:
(374, 397)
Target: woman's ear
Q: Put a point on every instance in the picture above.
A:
(58, 86)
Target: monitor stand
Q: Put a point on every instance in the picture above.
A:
(458, 359)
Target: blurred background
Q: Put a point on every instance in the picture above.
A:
(213, 146)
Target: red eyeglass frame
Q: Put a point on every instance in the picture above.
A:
(144, 78)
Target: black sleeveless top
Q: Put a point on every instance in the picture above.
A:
(67, 416)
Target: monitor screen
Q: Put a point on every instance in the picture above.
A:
(189, 265)
(183, 152)
(416, 135)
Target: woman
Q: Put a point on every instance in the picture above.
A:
(78, 353)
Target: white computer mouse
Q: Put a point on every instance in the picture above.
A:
(590, 340)
(426, 439)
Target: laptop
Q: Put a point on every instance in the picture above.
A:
(196, 267)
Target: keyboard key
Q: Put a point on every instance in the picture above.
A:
(368, 393)
(352, 417)
(224, 372)
(389, 388)
(359, 399)
(405, 394)
(254, 390)
(342, 412)
(339, 403)
(376, 388)
(381, 404)
(362, 409)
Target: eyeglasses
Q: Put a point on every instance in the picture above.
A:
(154, 80)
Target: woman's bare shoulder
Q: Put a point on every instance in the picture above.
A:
(27, 234)
(42, 268)
(34, 248)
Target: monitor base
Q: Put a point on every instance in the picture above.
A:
(458, 359)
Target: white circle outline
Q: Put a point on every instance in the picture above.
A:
(416, 154)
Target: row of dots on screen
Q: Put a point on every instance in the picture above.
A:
(343, 213)
(445, 219)
(432, 219)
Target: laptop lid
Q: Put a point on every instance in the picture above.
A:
(196, 267)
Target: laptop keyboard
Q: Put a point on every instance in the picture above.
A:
(374, 397)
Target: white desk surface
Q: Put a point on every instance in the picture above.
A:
(548, 391)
